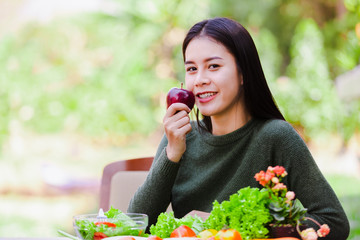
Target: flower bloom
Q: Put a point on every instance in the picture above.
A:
(278, 170)
(290, 195)
(323, 231)
(284, 174)
(279, 186)
(275, 180)
(269, 176)
(260, 177)
(309, 234)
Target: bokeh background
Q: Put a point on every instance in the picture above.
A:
(83, 84)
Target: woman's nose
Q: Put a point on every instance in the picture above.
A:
(201, 79)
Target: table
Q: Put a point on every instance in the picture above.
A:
(34, 238)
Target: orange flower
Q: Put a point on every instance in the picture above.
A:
(260, 177)
(323, 231)
(269, 176)
(278, 170)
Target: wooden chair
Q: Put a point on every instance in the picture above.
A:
(120, 180)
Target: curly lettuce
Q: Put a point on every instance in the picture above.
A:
(246, 211)
(167, 222)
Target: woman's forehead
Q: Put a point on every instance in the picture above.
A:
(204, 45)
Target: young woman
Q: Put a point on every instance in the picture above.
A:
(241, 133)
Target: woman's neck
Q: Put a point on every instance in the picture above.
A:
(231, 121)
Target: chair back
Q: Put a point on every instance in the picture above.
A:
(120, 180)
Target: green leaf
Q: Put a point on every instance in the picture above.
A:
(246, 211)
(276, 207)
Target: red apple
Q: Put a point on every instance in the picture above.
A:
(180, 95)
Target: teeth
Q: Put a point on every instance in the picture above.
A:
(205, 95)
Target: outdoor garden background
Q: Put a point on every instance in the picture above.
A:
(83, 84)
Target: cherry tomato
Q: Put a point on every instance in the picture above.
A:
(99, 235)
(183, 231)
(109, 224)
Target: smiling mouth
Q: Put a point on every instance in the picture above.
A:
(205, 95)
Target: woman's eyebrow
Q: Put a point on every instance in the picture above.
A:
(206, 60)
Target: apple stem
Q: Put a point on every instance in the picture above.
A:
(182, 85)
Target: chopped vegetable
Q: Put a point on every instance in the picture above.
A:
(109, 224)
(99, 235)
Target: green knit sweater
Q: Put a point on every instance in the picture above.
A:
(214, 167)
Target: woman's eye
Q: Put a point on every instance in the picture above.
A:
(214, 66)
(191, 69)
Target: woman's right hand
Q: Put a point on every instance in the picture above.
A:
(177, 124)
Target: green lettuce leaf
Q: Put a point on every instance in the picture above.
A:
(167, 223)
(246, 211)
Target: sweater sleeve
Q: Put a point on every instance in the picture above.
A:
(154, 195)
(311, 187)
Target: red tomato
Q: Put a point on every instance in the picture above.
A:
(183, 231)
(154, 238)
(109, 224)
(99, 235)
(228, 234)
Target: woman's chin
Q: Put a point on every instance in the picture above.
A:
(205, 114)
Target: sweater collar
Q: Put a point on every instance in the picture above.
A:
(230, 137)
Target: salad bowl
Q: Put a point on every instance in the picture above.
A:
(110, 224)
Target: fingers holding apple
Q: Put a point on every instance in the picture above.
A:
(177, 122)
(176, 108)
(180, 95)
(179, 103)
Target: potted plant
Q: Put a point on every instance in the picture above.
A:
(286, 210)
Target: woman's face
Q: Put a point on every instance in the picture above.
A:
(211, 74)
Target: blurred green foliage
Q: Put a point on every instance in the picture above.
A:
(310, 98)
(90, 74)
(106, 74)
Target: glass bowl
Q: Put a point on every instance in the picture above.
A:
(90, 226)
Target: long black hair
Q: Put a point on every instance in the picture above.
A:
(257, 95)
